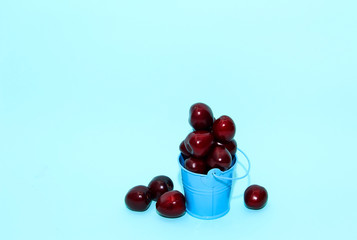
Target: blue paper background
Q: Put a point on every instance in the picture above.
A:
(94, 99)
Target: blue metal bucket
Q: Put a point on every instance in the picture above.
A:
(208, 196)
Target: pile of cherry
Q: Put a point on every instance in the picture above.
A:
(209, 145)
(170, 203)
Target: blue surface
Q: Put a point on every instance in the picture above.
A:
(94, 99)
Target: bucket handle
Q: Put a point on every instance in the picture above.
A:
(236, 178)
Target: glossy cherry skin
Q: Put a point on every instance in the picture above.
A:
(171, 204)
(196, 165)
(255, 197)
(231, 146)
(200, 116)
(184, 151)
(159, 185)
(199, 143)
(138, 198)
(223, 129)
(219, 157)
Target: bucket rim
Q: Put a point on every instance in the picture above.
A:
(234, 161)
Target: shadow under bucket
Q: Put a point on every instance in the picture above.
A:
(208, 196)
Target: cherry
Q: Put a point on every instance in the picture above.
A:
(219, 157)
(138, 198)
(196, 165)
(184, 151)
(231, 147)
(159, 185)
(255, 197)
(171, 204)
(200, 116)
(198, 143)
(223, 129)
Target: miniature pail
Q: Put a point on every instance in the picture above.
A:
(208, 196)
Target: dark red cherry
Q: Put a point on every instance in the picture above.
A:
(198, 143)
(159, 185)
(184, 151)
(196, 165)
(231, 146)
(138, 198)
(219, 157)
(223, 129)
(255, 197)
(171, 204)
(200, 116)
